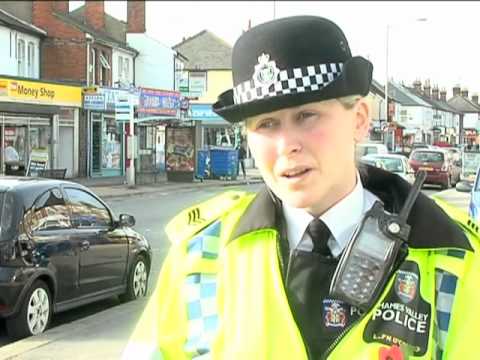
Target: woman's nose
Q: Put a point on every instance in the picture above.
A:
(288, 142)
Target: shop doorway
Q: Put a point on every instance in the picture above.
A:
(96, 147)
(65, 157)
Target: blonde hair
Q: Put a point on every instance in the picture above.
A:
(348, 102)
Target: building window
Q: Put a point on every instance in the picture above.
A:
(21, 57)
(31, 59)
(93, 67)
(104, 69)
(123, 70)
(197, 83)
(120, 69)
(126, 70)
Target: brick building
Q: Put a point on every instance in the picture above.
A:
(89, 46)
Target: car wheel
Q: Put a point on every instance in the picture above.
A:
(447, 184)
(137, 280)
(34, 315)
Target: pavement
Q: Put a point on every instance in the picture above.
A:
(104, 334)
(111, 188)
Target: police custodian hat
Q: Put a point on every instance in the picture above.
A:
(289, 62)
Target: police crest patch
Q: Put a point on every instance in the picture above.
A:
(266, 72)
(334, 313)
(403, 318)
(406, 284)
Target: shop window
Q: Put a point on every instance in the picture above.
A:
(112, 145)
(86, 210)
(31, 59)
(15, 137)
(21, 57)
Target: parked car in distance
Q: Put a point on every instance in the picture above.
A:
(397, 164)
(438, 164)
(363, 149)
(61, 247)
(472, 187)
(470, 162)
(455, 153)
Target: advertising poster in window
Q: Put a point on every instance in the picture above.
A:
(38, 161)
(111, 145)
(180, 151)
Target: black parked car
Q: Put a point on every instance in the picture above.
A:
(61, 247)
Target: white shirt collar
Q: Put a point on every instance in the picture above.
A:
(342, 220)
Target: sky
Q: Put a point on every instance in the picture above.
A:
(435, 40)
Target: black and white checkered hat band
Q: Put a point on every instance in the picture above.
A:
(289, 81)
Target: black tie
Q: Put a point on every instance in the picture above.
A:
(320, 233)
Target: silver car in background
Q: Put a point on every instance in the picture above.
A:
(397, 164)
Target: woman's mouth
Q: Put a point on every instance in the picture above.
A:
(295, 173)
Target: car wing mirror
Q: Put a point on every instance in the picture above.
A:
(464, 186)
(126, 220)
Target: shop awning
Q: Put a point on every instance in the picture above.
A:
(29, 108)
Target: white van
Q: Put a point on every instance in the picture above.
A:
(370, 148)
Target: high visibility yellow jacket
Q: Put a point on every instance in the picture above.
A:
(221, 295)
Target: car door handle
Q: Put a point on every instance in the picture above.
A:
(85, 246)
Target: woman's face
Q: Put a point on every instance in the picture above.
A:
(306, 154)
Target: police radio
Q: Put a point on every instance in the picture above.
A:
(376, 247)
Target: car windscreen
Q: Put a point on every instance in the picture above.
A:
(470, 163)
(391, 164)
(428, 156)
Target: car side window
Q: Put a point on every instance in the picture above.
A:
(86, 210)
(49, 212)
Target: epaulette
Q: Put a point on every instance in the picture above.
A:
(461, 217)
(192, 220)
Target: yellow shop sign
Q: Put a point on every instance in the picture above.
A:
(40, 93)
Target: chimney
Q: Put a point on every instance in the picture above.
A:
(456, 90)
(475, 98)
(426, 89)
(61, 6)
(95, 14)
(443, 95)
(417, 86)
(465, 93)
(42, 13)
(136, 16)
(435, 93)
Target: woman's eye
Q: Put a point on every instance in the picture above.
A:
(267, 124)
(304, 115)
(307, 117)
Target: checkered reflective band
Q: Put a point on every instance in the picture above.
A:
(446, 285)
(289, 81)
(200, 292)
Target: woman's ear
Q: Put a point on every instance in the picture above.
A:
(362, 119)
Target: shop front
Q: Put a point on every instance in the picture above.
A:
(215, 131)
(157, 109)
(106, 132)
(38, 118)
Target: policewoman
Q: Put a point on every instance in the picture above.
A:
(256, 276)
